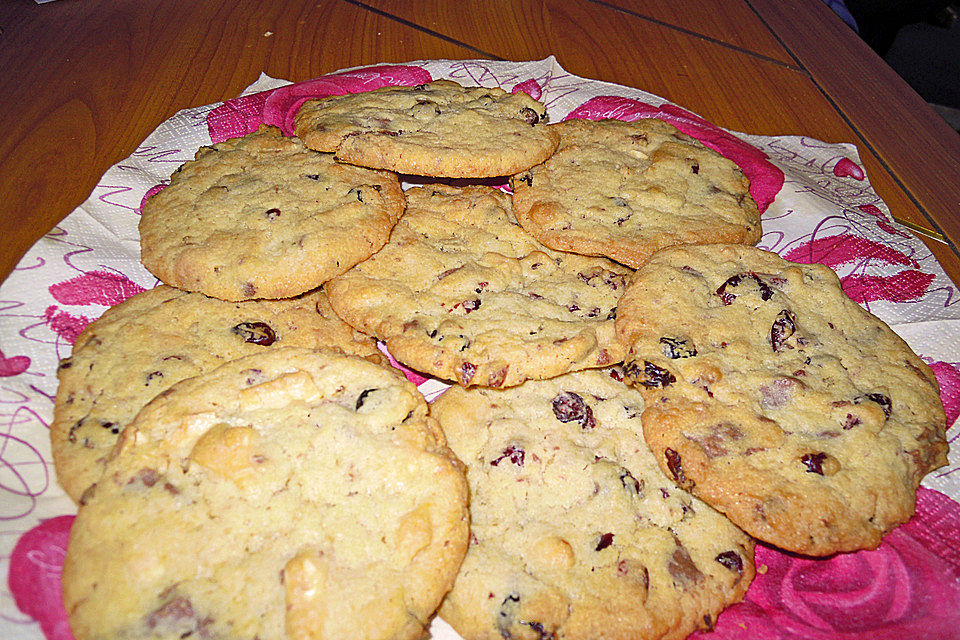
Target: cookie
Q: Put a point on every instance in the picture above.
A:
(778, 400)
(263, 217)
(292, 494)
(461, 292)
(626, 189)
(575, 531)
(435, 129)
(144, 345)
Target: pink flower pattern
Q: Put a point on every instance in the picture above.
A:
(907, 588)
(847, 168)
(278, 107)
(13, 365)
(36, 565)
(948, 375)
(90, 288)
(766, 178)
(843, 249)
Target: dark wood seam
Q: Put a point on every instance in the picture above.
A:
(701, 36)
(866, 143)
(435, 34)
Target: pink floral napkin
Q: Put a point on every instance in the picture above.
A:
(818, 206)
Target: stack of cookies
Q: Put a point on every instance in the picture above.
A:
(638, 394)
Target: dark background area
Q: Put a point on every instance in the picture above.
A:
(920, 40)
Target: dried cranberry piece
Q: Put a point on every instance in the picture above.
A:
(362, 398)
(146, 476)
(884, 401)
(676, 469)
(814, 462)
(570, 407)
(733, 281)
(850, 422)
(542, 633)
(783, 327)
(256, 333)
(506, 614)
(675, 348)
(112, 427)
(177, 618)
(471, 305)
(253, 376)
(72, 434)
(177, 609)
(497, 378)
(631, 484)
(529, 116)
(605, 541)
(731, 560)
(466, 372)
(651, 377)
(512, 453)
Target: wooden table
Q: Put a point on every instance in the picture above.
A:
(85, 81)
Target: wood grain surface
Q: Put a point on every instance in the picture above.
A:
(87, 80)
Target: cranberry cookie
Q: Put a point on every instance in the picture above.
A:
(144, 345)
(435, 129)
(778, 400)
(463, 293)
(575, 531)
(263, 217)
(295, 494)
(626, 189)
